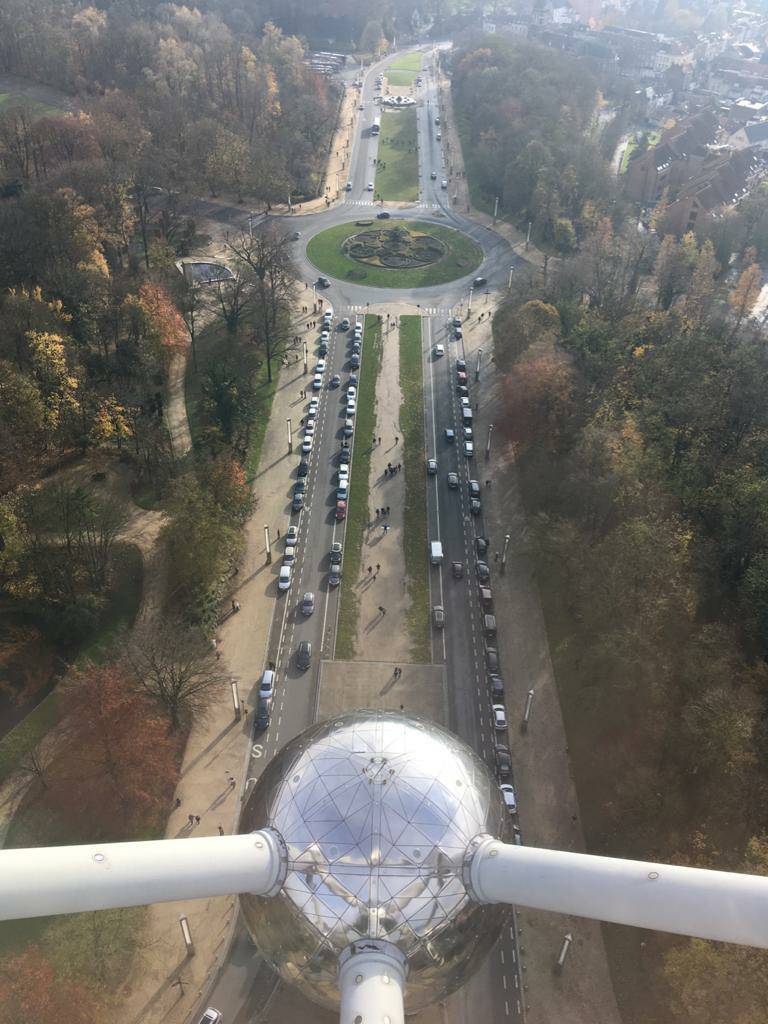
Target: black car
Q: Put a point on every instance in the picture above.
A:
(479, 282)
(482, 570)
(462, 391)
(497, 687)
(481, 545)
(492, 660)
(503, 760)
(299, 487)
(475, 507)
(304, 655)
(262, 715)
(383, 215)
(457, 568)
(303, 468)
(344, 456)
(461, 364)
(323, 282)
(474, 489)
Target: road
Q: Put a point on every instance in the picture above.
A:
(243, 985)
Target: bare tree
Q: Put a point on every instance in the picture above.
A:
(178, 667)
(268, 257)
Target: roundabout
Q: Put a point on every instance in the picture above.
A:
(394, 253)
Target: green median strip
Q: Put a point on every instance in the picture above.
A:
(415, 518)
(357, 507)
(397, 176)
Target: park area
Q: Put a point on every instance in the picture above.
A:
(404, 69)
(397, 171)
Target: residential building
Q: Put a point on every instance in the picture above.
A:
(673, 160)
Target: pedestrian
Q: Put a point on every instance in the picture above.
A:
(214, 643)
(386, 528)
(496, 557)
(397, 439)
(399, 466)
(278, 533)
(379, 440)
(378, 568)
(221, 831)
(402, 707)
(233, 783)
(487, 483)
(477, 406)
(197, 819)
(178, 802)
(389, 465)
(387, 509)
(191, 819)
(233, 608)
(382, 610)
(370, 569)
(245, 713)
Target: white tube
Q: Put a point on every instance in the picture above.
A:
(717, 905)
(70, 879)
(372, 979)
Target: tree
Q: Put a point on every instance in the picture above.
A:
(176, 667)
(118, 769)
(744, 296)
(539, 400)
(30, 992)
(372, 39)
(163, 326)
(674, 267)
(516, 329)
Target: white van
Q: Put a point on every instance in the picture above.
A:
(435, 552)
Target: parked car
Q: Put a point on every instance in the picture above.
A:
(304, 655)
(481, 545)
(474, 489)
(296, 236)
(344, 456)
(351, 407)
(431, 466)
(322, 348)
(444, 183)
(289, 556)
(503, 759)
(499, 717)
(469, 449)
(212, 1016)
(317, 381)
(303, 468)
(457, 570)
(334, 576)
(457, 334)
(468, 433)
(475, 507)
(461, 377)
(485, 597)
(492, 660)
(308, 603)
(489, 626)
(456, 321)
(306, 445)
(349, 428)
(439, 136)
(341, 510)
(461, 364)
(354, 360)
(292, 535)
(383, 215)
(462, 390)
(262, 715)
(438, 616)
(439, 350)
(284, 579)
(352, 382)
(320, 368)
(348, 187)
(297, 503)
(482, 570)
(510, 802)
(496, 684)
(450, 435)
(267, 684)
(370, 186)
(453, 481)
(337, 552)
(351, 392)
(335, 381)
(342, 491)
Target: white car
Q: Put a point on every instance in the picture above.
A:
(358, 328)
(510, 800)
(309, 428)
(499, 717)
(314, 405)
(439, 350)
(351, 393)
(306, 445)
(444, 183)
(284, 579)
(289, 555)
(317, 381)
(348, 187)
(465, 403)
(351, 407)
(324, 334)
(370, 186)
(469, 449)
(320, 368)
(292, 536)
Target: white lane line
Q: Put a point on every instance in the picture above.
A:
(504, 981)
(428, 332)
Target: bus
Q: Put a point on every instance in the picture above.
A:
(376, 126)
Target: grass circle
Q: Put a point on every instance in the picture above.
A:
(459, 256)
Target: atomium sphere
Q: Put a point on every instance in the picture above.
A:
(376, 810)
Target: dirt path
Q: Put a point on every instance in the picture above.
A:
(384, 637)
(176, 407)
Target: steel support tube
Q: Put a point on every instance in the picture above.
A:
(716, 905)
(372, 983)
(70, 879)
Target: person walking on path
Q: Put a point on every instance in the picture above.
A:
(378, 568)
(221, 831)
(382, 610)
(370, 569)
(387, 509)
(191, 819)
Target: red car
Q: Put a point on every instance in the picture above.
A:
(461, 377)
(341, 510)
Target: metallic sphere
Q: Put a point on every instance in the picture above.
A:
(377, 811)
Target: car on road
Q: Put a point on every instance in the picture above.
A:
(496, 684)
(351, 407)
(461, 364)
(354, 359)
(349, 428)
(482, 571)
(456, 321)
(479, 282)
(284, 579)
(499, 717)
(304, 655)
(432, 466)
(437, 120)
(334, 576)
(351, 393)
(342, 491)
(335, 381)
(267, 684)
(468, 433)
(433, 175)
(323, 282)
(341, 510)
(383, 215)
(475, 507)
(317, 382)
(211, 1015)
(306, 445)
(292, 536)
(450, 435)
(444, 183)
(309, 426)
(438, 616)
(344, 325)
(453, 481)
(297, 504)
(370, 186)
(469, 449)
(461, 376)
(344, 455)
(320, 368)
(322, 348)
(348, 187)
(308, 603)
(457, 570)
(510, 802)
(474, 489)
(303, 468)
(352, 380)
(439, 136)
(481, 545)
(462, 390)
(492, 660)
(296, 236)
(503, 759)
(439, 350)
(337, 552)
(262, 720)
(289, 555)
(361, 106)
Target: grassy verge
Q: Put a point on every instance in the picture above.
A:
(36, 109)
(463, 256)
(415, 519)
(398, 178)
(357, 514)
(404, 69)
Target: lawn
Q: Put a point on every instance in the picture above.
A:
(397, 176)
(464, 256)
(36, 108)
(357, 516)
(404, 69)
(415, 520)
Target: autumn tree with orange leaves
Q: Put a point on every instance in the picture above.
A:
(30, 993)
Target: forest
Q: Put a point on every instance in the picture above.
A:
(635, 404)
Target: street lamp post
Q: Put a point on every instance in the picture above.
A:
(527, 712)
(186, 934)
(488, 442)
(306, 358)
(469, 304)
(268, 545)
(290, 435)
(504, 551)
(509, 280)
(495, 208)
(528, 236)
(250, 224)
(236, 707)
(477, 368)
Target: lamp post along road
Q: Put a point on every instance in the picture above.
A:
(267, 544)
(290, 435)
